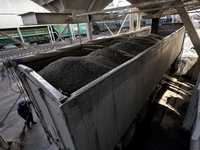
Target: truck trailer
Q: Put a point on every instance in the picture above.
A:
(99, 114)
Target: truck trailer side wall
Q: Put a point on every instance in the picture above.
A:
(96, 116)
(104, 109)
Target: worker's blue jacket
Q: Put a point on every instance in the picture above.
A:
(23, 110)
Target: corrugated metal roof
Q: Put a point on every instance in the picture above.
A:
(10, 8)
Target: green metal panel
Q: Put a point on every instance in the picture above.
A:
(82, 27)
(110, 24)
(60, 28)
(25, 32)
(29, 34)
(34, 31)
(101, 26)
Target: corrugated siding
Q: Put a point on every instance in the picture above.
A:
(10, 7)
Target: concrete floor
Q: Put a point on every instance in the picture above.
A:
(36, 138)
(161, 128)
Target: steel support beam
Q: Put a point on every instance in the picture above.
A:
(192, 34)
(122, 24)
(52, 33)
(108, 28)
(151, 16)
(132, 20)
(91, 5)
(190, 28)
(62, 18)
(79, 33)
(59, 36)
(173, 18)
(20, 34)
(89, 31)
(154, 25)
(138, 21)
(48, 27)
(70, 35)
(127, 7)
(50, 18)
(104, 16)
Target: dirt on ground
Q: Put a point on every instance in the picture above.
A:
(161, 127)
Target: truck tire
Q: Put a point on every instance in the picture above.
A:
(128, 135)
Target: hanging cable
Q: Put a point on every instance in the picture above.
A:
(9, 80)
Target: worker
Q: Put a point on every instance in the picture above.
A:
(24, 110)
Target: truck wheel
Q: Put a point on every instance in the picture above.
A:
(128, 136)
(143, 112)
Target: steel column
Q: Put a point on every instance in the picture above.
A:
(173, 18)
(154, 25)
(138, 21)
(70, 35)
(89, 30)
(72, 31)
(132, 20)
(79, 33)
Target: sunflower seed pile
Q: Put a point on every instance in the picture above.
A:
(137, 44)
(71, 73)
(112, 54)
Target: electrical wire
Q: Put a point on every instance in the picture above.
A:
(9, 80)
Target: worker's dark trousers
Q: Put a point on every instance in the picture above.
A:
(29, 119)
